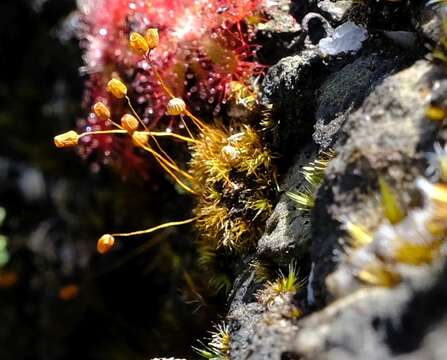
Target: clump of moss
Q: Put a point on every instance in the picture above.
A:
(284, 285)
(233, 175)
(231, 172)
(278, 296)
(404, 239)
(313, 173)
(234, 178)
(263, 270)
(218, 346)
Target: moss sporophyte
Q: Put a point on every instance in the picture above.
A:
(230, 173)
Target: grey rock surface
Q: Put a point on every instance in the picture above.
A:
(407, 322)
(335, 10)
(289, 86)
(369, 108)
(288, 229)
(343, 91)
(258, 331)
(369, 145)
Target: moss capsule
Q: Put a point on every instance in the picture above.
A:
(129, 123)
(175, 107)
(68, 292)
(67, 139)
(138, 44)
(117, 88)
(101, 111)
(152, 38)
(105, 243)
(140, 138)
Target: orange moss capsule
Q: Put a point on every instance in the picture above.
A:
(101, 111)
(140, 138)
(129, 123)
(138, 43)
(105, 243)
(67, 139)
(117, 88)
(68, 292)
(152, 38)
(175, 107)
(8, 278)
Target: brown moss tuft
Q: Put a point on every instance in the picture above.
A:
(234, 177)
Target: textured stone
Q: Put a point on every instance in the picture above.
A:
(407, 322)
(336, 10)
(369, 145)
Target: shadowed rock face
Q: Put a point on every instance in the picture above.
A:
(370, 108)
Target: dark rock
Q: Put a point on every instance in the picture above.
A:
(316, 28)
(290, 85)
(404, 39)
(288, 230)
(369, 146)
(344, 91)
(281, 35)
(430, 22)
(376, 121)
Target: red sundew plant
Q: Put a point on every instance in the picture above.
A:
(205, 45)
